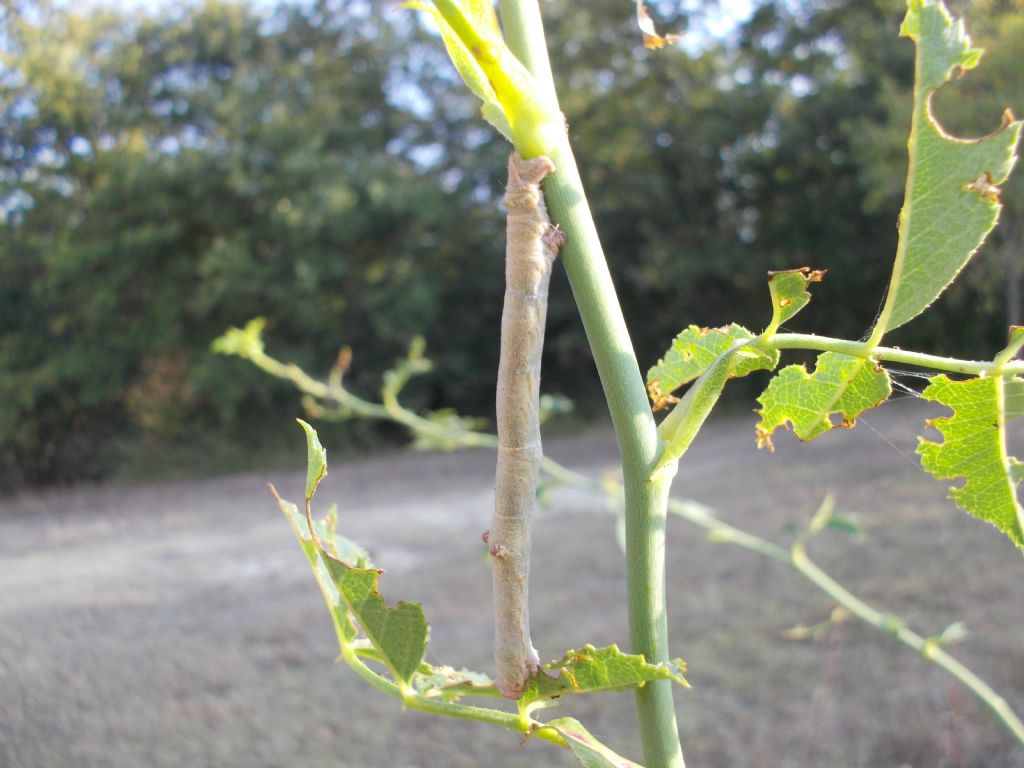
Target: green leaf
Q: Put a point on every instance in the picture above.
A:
(399, 634)
(343, 626)
(694, 350)
(241, 342)
(1013, 398)
(974, 448)
(449, 683)
(826, 510)
(954, 633)
(846, 525)
(789, 293)
(339, 546)
(481, 12)
(591, 669)
(466, 65)
(589, 751)
(513, 102)
(952, 196)
(316, 460)
(680, 427)
(842, 385)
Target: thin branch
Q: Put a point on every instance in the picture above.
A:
(718, 530)
(890, 354)
(412, 700)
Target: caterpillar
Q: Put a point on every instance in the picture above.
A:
(531, 247)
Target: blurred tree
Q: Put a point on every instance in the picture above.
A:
(709, 169)
(164, 177)
(784, 146)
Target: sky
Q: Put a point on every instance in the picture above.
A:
(718, 19)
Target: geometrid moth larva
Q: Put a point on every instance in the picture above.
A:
(531, 247)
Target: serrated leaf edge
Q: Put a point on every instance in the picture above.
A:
(1011, 466)
(764, 435)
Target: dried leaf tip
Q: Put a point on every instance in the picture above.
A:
(659, 399)
(652, 39)
(764, 439)
(344, 359)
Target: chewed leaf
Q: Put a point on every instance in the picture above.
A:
(399, 634)
(343, 625)
(449, 683)
(588, 750)
(593, 669)
(840, 385)
(692, 353)
(952, 191)
(789, 293)
(974, 448)
(696, 349)
(339, 546)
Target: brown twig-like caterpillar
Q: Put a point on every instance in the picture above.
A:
(531, 247)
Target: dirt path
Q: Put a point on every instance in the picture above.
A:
(177, 625)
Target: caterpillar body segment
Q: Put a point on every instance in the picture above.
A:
(531, 248)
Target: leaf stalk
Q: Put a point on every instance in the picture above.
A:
(892, 354)
(718, 531)
(413, 700)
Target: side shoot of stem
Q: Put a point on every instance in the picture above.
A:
(345, 404)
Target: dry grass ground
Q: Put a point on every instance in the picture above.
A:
(177, 625)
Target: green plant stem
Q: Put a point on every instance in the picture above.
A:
(514, 722)
(890, 354)
(635, 428)
(680, 427)
(929, 648)
(718, 531)
(639, 446)
(389, 409)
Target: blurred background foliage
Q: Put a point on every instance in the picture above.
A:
(165, 175)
